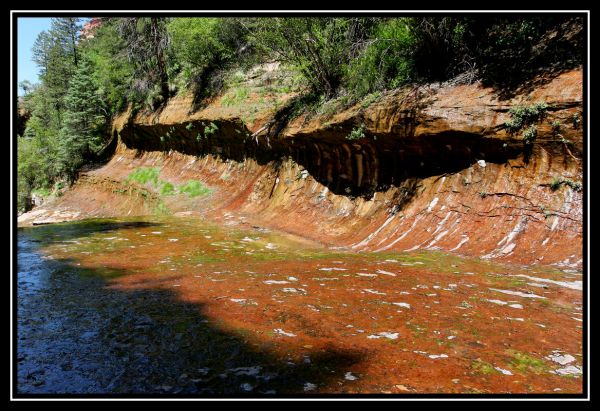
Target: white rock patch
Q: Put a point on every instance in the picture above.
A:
(503, 371)
(348, 376)
(570, 370)
(368, 290)
(389, 335)
(561, 359)
(432, 204)
(518, 293)
(281, 332)
(575, 285)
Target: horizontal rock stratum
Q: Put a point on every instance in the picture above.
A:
(436, 169)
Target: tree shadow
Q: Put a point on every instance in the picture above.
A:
(354, 168)
(64, 232)
(508, 88)
(78, 335)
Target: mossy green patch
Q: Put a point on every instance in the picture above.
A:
(144, 175)
(527, 363)
(166, 189)
(483, 368)
(194, 188)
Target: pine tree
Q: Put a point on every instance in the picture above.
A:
(79, 136)
(55, 52)
(147, 41)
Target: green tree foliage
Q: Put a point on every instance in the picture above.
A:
(79, 136)
(510, 49)
(386, 60)
(319, 47)
(146, 44)
(55, 52)
(439, 50)
(113, 72)
(36, 156)
(201, 45)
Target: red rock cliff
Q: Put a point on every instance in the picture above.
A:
(436, 169)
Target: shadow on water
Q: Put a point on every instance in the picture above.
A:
(68, 231)
(79, 335)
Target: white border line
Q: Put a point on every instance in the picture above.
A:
(88, 12)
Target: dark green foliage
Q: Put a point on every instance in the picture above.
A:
(522, 116)
(36, 159)
(439, 47)
(146, 46)
(80, 135)
(526, 116)
(529, 135)
(557, 182)
(386, 62)
(511, 49)
(55, 52)
(357, 133)
(202, 50)
(319, 47)
(210, 129)
(113, 72)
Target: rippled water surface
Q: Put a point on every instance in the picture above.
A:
(181, 306)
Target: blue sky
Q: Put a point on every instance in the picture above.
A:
(28, 29)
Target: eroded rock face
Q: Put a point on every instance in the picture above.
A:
(435, 170)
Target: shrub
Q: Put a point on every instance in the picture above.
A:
(357, 133)
(386, 62)
(194, 188)
(511, 49)
(144, 175)
(235, 97)
(318, 47)
(201, 45)
(557, 182)
(530, 135)
(522, 116)
(439, 48)
(210, 129)
(167, 189)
